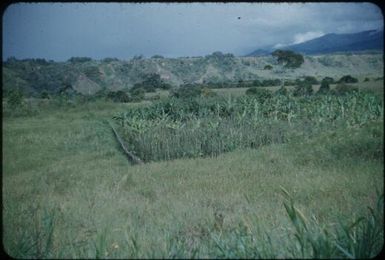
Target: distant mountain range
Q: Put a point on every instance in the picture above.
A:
(330, 43)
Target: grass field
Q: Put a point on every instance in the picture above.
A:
(69, 192)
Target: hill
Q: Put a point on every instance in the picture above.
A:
(88, 76)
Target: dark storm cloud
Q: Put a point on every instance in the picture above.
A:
(60, 30)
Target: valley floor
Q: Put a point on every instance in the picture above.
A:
(69, 191)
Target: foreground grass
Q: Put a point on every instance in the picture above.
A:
(69, 192)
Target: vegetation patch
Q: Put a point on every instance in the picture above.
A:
(198, 126)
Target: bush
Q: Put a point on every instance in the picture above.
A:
(271, 82)
(15, 98)
(289, 82)
(348, 79)
(153, 97)
(137, 94)
(259, 93)
(303, 89)
(366, 79)
(119, 96)
(268, 67)
(343, 89)
(312, 80)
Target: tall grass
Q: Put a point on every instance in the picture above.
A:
(360, 238)
(69, 193)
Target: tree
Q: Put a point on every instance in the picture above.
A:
(291, 59)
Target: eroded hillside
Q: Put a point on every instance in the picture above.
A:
(91, 76)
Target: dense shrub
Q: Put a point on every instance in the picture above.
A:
(348, 79)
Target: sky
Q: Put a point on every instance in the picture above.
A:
(59, 31)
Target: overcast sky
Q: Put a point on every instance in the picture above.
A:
(59, 31)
